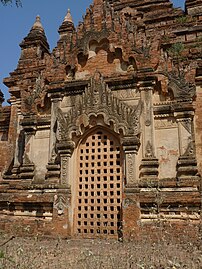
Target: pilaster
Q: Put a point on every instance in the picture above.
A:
(130, 148)
(27, 168)
(65, 149)
(53, 167)
(149, 164)
(131, 208)
(19, 143)
(187, 164)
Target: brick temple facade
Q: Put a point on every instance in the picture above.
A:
(103, 135)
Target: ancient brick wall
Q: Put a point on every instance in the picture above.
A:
(103, 135)
(198, 125)
(7, 137)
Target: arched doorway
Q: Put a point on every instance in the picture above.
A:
(98, 211)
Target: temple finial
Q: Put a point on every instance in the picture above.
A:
(68, 17)
(37, 23)
(36, 33)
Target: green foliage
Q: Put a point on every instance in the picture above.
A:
(6, 2)
(166, 38)
(2, 255)
(182, 20)
(178, 57)
(176, 50)
(199, 39)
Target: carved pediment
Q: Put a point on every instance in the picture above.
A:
(98, 100)
(180, 87)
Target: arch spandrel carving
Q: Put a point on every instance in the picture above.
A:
(98, 100)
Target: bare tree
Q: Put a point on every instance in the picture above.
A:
(17, 2)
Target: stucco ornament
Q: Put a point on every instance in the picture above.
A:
(98, 100)
(59, 204)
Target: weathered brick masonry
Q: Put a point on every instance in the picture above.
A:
(103, 135)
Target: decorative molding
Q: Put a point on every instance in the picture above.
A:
(147, 108)
(190, 151)
(186, 123)
(64, 169)
(129, 94)
(63, 126)
(42, 134)
(149, 151)
(130, 167)
(25, 158)
(165, 123)
(149, 168)
(60, 204)
(35, 94)
(98, 100)
(181, 88)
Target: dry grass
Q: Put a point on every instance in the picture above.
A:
(28, 253)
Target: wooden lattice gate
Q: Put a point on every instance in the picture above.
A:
(99, 188)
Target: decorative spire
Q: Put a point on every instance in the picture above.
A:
(67, 25)
(68, 17)
(37, 23)
(36, 35)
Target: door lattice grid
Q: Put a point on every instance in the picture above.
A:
(99, 187)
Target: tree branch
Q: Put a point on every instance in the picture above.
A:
(6, 2)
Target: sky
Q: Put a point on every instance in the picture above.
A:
(17, 22)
